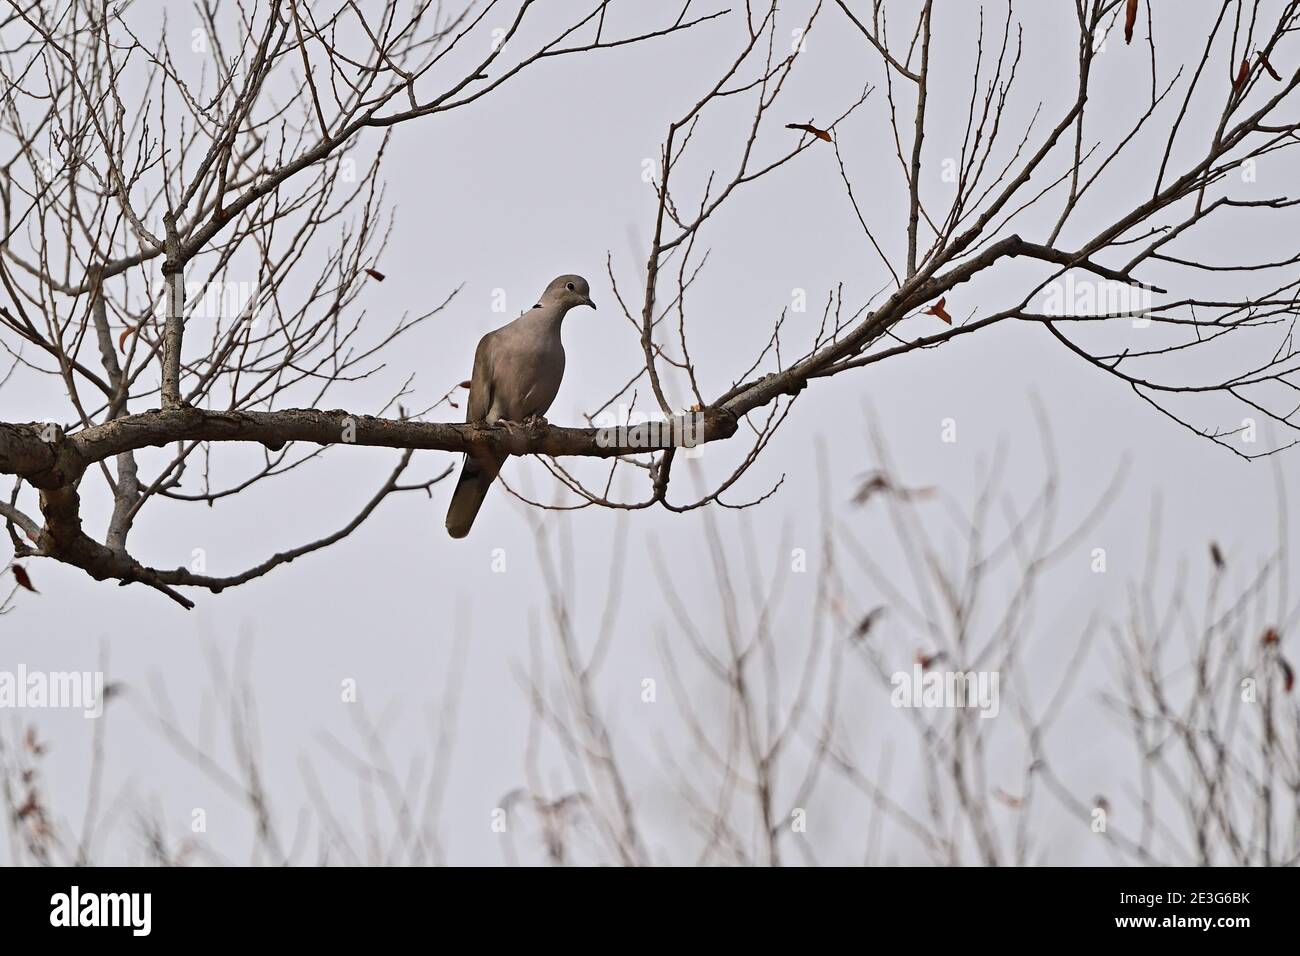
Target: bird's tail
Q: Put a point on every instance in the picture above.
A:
(476, 477)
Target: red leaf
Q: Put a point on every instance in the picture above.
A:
(376, 275)
(23, 578)
(464, 384)
(939, 311)
(1288, 675)
(1130, 18)
(810, 128)
(1242, 75)
(1263, 60)
(1271, 636)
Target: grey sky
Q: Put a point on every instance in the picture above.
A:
(544, 177)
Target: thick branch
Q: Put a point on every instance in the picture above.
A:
(23, 453)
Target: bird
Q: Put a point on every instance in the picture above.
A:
(517, 373)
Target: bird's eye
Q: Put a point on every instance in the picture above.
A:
(569, 286)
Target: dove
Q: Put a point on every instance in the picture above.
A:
(517, 373)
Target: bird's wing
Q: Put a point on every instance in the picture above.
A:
(480, 382)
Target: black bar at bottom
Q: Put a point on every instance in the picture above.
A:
(336, 905)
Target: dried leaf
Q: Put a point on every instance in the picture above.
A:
(925, 660)
(1288, 675)
(877, 482)
(23, 578)
(30, 742)
(867, 623)
(464, 384)
(939, 311)
(1263, 61)
(32, 805)
(1130, 18)
(810, 128)
(1014, 802)
(1243, 75)
(126, 334)
(1216, 555)
(1270, 636)
(376, 275)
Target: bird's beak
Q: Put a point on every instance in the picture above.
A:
(587, 301)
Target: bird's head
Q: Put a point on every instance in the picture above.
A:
(568, 291)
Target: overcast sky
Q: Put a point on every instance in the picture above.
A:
(541, 178)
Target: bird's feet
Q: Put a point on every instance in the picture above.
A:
(533, 421)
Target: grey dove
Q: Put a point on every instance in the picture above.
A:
(517, 373)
